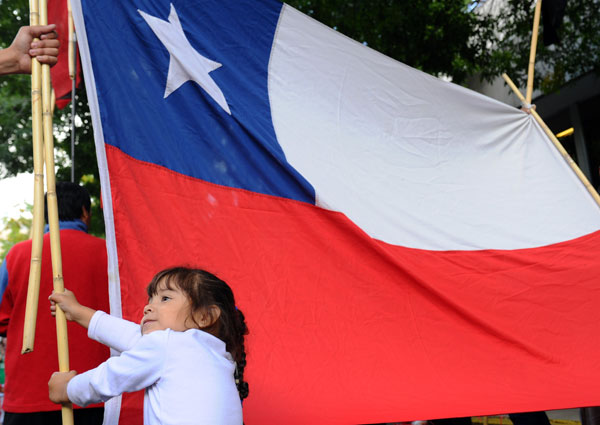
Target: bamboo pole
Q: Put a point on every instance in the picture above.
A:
(71, 42)
(534, 39)
(556, 143)
(52, 102)
(61, 321)
(35, 268)
(73, 76)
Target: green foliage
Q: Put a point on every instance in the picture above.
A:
(15, 230)
(458, 38)
(15, 123)
(577, 54)
(440, 37)
(15, 106)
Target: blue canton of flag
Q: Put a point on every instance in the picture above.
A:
(196, 63)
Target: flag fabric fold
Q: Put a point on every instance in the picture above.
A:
(61, 81)
(403, 248)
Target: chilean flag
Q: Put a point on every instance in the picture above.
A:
(403, 248)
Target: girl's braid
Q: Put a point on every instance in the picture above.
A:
(242, 330)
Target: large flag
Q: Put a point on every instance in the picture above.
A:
(403, 248)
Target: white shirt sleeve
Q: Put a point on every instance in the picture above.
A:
(118, 334)
(133, 370)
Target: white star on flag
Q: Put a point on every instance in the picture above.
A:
(185, 64)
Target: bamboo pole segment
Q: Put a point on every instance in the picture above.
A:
(73, 76)
(61, 321)
(534, 39)
(71, 42)
(565, 133)
(37, 227)
(556, 143)
(52, 102)
(73, 88)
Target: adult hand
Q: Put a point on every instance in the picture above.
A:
(16, 59)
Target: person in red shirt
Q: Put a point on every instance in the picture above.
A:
(84, 270)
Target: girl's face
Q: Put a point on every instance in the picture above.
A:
(168, 308)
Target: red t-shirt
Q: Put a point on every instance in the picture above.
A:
(84, 268)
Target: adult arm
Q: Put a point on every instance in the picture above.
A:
(16, 59)
(6, 302)
(3, 279)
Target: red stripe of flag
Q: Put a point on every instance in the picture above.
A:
(364, 317)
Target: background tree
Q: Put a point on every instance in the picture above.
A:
(16, 154)
(14, 230)
(440, 37)
(459, 38)
(577, 54)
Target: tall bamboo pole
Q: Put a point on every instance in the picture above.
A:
(556, 143)
(73, 76)
(534, 39)
(61, 321)
(35, 268)
(71, 42)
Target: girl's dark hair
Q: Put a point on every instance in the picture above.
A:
(204, 290)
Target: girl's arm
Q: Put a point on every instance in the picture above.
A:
(133, 370)
(71, 307)
(117, 333)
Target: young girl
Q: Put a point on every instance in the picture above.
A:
(189, 355)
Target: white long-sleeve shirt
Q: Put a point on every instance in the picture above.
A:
(188, 376)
